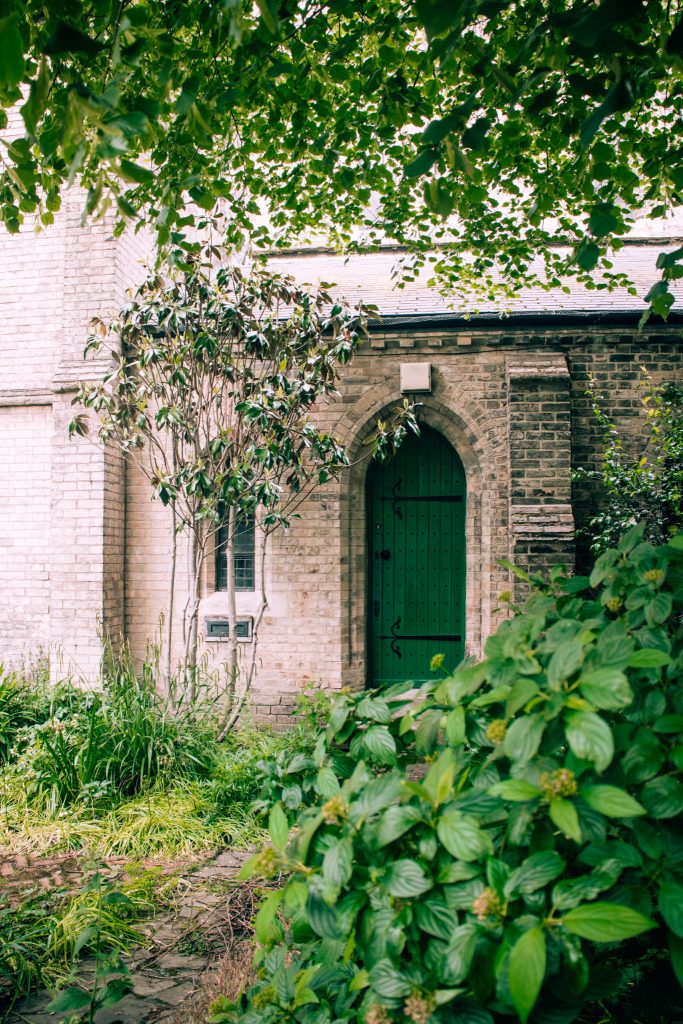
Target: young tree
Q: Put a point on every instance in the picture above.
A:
(493, 129)
(641, 476)
(217, 374)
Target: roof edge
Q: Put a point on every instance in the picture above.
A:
(576, 318)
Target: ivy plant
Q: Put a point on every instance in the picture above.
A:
(641, 476)
(517, 853)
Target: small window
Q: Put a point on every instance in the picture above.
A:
(245, 555)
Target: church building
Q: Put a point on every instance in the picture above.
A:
(385, 568)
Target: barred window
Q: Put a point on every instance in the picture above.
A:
(245, 555)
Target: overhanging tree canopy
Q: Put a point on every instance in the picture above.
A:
(490, 127)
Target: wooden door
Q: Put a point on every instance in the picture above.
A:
(416, 549)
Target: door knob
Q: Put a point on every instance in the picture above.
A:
(385, 555)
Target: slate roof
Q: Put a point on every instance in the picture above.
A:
(368, 276)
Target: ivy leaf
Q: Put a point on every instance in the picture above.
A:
(612, 801)
(405, 878)
(590, 738)
(606, 922)
(526, 971)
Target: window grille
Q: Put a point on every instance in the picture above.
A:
(245, 555)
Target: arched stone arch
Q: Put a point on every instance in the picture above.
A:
(474, 439)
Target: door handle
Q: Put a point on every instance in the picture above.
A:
(385, 555)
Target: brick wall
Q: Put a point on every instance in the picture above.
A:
(83, 547)
(70, 591)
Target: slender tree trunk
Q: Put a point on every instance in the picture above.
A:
(196, 562)
(233, 666)
(233, 712)
(173, 557)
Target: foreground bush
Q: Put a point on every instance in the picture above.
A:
(516, 853)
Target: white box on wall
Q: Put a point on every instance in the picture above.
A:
(416, 378)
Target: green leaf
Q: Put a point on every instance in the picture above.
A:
(265, 918)
(670, 902)
(405, 878)
(534, 873)
(278, 827)
(604, 220)
(380, 744)
(676, 951)
(11, 53)
(648, 657)
(517, 790)
(69, 999)
(565, 661)
(590, 738)
(327, 783)
(462, 836)
(113, 992)
(658, 609)
(606, 922)
(563, 813)
(388, 982)
(65, 39)
(435, 918)
(460, 952)
(321, 916)
(439, 779)
(612, 801)
(395, 822)
(422, 164)
(135, 173)
(338, 862)
(663, 797)
(606, 688)
(455, 727)
(523, 738)
(526, 971)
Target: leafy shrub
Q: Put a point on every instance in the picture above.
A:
(641, 478)
(516, 852)
(104, 746)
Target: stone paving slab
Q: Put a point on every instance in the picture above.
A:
(163, 976)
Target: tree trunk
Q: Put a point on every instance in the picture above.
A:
(233, 667)
(234, 711)
(169, 682)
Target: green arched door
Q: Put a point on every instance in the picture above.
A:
(416, 551)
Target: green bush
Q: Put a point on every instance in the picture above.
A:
(101, 747)
(516, 852)
(641, 478)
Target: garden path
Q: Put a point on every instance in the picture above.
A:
(210, 916)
